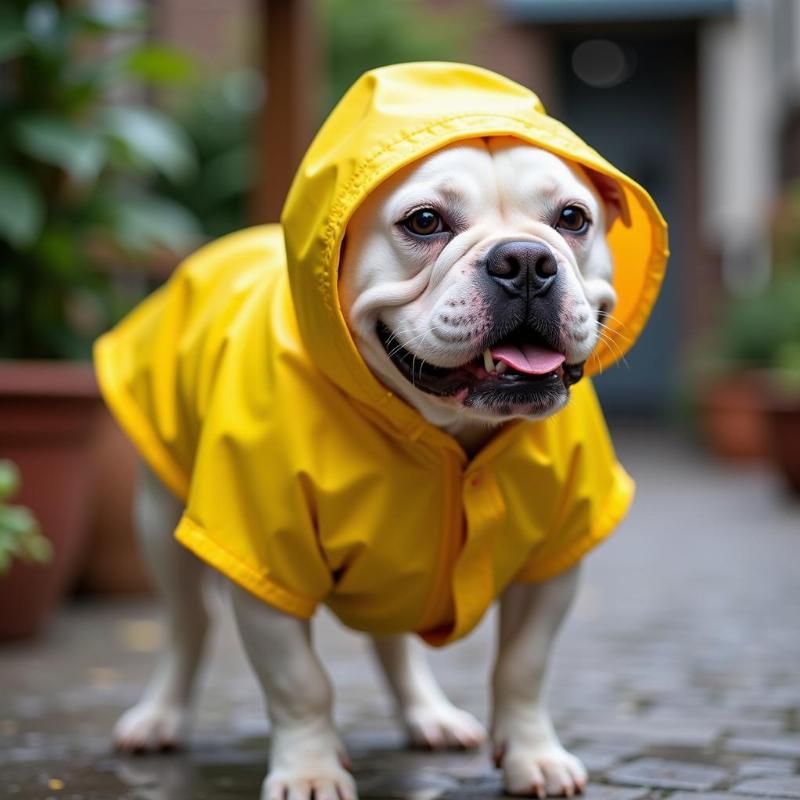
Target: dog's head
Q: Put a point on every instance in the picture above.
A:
(431, 235)
(477, 280)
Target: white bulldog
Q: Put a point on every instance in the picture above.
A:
(474, 283)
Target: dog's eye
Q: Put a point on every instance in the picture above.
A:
(424, 222)
(573, 219)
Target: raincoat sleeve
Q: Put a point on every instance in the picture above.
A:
(596, 495)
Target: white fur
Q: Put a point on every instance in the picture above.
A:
(429, 297)
(499, 186)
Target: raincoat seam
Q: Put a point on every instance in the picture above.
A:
(451, 507)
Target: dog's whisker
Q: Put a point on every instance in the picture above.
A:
(394, 335)
(610, 316)
(600, 368)
(407, 345)
(613, 346)
(609, 342)
(615, 349)
(614, 331)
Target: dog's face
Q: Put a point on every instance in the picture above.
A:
(475, 281)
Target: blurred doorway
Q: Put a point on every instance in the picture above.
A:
(632, 97)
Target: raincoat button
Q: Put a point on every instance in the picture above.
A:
(476, 482)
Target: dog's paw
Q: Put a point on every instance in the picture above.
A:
(308, 764)
(150, 727)
(308, 784)
(441, 725)
(545, 771)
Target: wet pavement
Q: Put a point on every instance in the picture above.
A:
(678, 674)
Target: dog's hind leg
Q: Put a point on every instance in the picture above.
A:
(159, 719)
(428, 715)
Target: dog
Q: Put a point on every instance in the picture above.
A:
(475, 283)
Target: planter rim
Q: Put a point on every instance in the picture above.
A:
(74, 379)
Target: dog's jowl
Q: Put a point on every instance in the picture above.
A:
(384, 404)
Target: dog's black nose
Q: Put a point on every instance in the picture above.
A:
(521, 267)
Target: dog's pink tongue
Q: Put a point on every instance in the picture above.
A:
(528, 358)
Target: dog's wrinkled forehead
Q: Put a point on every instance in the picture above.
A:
(506, 180)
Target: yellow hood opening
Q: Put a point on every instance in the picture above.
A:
(396, 115)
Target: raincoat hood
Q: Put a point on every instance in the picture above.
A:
(396, 115)
(304, 479)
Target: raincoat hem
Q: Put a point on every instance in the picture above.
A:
(133, 422)
(195, 538)
(621, 497)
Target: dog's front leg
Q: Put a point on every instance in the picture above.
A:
(306, 754)
(427, 713)
(526, 745)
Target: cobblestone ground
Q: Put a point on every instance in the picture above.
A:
(678, 674)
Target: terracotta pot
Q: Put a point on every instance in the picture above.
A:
(112, 563)
(46, 414)
(784, 423)
(733, 411)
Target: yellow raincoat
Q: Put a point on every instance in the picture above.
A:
(304, 479)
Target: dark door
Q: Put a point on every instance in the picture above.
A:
(639, 124)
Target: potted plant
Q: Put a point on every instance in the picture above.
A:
(758, 396)
(78, 216)
(784, 364)
(737, 368)
(784, 409)
(24, 589)
(732, 387)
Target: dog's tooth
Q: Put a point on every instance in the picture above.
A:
(500, 367)
(487, 360)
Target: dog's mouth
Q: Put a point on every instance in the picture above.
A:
(522, 372)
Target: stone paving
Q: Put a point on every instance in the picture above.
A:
(678, 674)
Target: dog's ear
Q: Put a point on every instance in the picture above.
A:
(613, 198)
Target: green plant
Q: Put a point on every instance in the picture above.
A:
(78, 161)
(787, 367)
(218, 116)
(762, 331)
(754, 329)
(19, 532)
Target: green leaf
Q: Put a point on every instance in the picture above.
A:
(37, 548)
(21, 208)
(152, 140)
(17, 520)
(9, 479)
(159, 63)
(54, 141)
(146, 222)
(13, 37)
